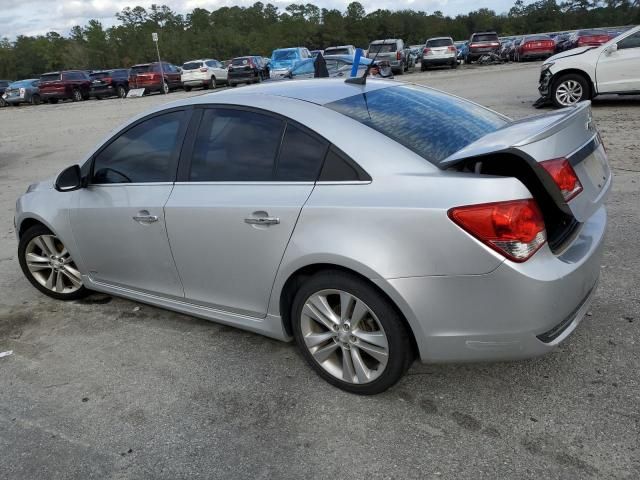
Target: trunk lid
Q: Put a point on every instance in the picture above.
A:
(569, 133)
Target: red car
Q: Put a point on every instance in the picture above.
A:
(150, 77)
(69, 84)
(587, 38)
(535, 46)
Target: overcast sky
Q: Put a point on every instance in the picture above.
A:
(33, 17)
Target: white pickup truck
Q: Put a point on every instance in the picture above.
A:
(585, 72)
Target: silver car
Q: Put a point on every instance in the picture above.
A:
(353, 219)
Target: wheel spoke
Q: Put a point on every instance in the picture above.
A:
(50, 244)
(37, 262)
(319, 309)
(377, 339)
(378, 353)
(59, 282)
(315, 339)
(345, 304)
(348, 370)
(362, 372)
(73, 275)
(360, 310)
(52, 276)
(325, 352)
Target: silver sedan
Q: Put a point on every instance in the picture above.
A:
(371, 223)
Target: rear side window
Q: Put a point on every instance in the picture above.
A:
(301, 156)
(235, 146)
(51, 77)
(336, 51)
(213, 64)
(439, 42)
(144, 153)
(430, 123)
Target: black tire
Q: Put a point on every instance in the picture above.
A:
(53, 101)
(35, 100)
(570, 77)
(212, 83)
(454, 65)
(401, 70)
(234, 85)
(401, 353)
(165, 87)
(121, 91)
(188, 89)
(26, 237)
(76, 95)
(423, 67)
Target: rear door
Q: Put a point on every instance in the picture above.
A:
(619, 71)
(245, 178)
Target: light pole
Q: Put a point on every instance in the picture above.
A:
(154, 37)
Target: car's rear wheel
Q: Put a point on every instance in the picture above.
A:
(53, 101)
(122, 91)
(569, 89)
(35, 100)
(48, 265)
(350, 334)
(188, 89)
(212, 83)
(165, 87)
(76, 95)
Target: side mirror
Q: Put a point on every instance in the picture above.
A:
(611, 49)
(70, 179)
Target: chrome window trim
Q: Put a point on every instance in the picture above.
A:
(268, 182)
(125, 184)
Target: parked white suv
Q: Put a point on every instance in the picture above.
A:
(205, 73)
(585, 72)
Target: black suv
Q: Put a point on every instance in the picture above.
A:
(107, 83)
(482, 43)
(246, 70)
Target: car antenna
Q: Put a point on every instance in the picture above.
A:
(356, 63)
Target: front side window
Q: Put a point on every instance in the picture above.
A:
(421, 119)
(144, 153)
(632, 41)
(235, 145)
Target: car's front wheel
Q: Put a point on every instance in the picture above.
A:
(569, 90)
(77, 95)
(350, 334)
(48, 265)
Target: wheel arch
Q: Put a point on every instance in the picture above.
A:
(576, 71)
(28, 222)
(296, 278)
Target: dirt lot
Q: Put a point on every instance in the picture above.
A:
(106, 388)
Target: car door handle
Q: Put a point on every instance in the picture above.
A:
(145, 217)
(262, 220)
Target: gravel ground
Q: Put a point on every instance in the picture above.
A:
(107, 388)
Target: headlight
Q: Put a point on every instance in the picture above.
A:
(546, 66)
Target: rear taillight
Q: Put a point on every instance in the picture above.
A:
(426, 51)
(451, 48)
(107, 80)
(564, 176)
(398, 56)
(513, 228)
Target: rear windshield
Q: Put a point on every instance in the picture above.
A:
(280, 55)
(140, 69)
(191, 65)
(51, 77)
(382, 47)
(421, 119)
(99, 75)
(592, 32)
(238, 62)
(336, 51)
(533, 38)
(439, 42)
(485, 37)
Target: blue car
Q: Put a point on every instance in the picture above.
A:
(285, 59)
(337, 66)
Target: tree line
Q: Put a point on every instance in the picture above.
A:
(258, 29)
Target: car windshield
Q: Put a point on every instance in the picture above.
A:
(485, 37)
(280, 55)
(50, 77)
(439, 42)
(191, 65)
(18, 84)
(336, 51)
(140, 69)
(382, 47)
(420, 119)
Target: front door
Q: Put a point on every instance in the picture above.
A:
(619, 71)
(118, 220)
(230, 221)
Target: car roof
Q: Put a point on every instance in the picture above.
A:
(386, 40)
(440, 38)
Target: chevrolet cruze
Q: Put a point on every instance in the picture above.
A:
(371, 223)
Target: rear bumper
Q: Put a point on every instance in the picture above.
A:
(439, 60)
(248, 77)
(477, 53)
(103, 90)
(517, 311)
(58, 95)
(537, 54)
(195, 82)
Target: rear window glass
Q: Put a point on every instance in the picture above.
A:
(382, 47)
(191, 65)
(336, 51)
(51, 77)
(485, 37)
(432, 124)
(99, 75)
(533, 38)
(238, 62)
(279, 55)
(591, 32)
(139, 69)
(439, 42)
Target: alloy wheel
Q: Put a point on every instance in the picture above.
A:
(344, 336)
(77, 96)
(51, 265)
(569, 92)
